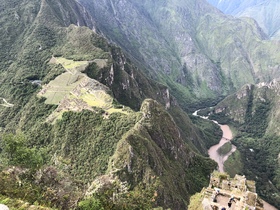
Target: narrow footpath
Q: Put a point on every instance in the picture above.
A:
(5, 103)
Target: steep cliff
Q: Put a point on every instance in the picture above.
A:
(188, 45)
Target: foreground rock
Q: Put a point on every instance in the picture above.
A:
(222, 188)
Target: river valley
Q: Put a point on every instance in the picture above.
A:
(213, 151)
(220, 159)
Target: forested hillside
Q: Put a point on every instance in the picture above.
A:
(95, 98)
(76, 130)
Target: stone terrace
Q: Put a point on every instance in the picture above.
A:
(222, 188)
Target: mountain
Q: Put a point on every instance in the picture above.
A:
(82, 126)
(93, 97)
(264, 12)
(191, 47)
(254, 112)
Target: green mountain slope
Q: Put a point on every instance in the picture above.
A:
(266, 15)
(254, 110)
(197, 51)
(71, 123)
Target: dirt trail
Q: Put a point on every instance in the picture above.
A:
(6, 103)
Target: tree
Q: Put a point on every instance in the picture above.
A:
(16, 151)
(90, 204)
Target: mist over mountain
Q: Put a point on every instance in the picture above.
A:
(234, 7)
(264, 12)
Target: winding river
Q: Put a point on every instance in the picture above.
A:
(213, 151)
(214, 155)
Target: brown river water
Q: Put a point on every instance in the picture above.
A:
(214, 155)
(213, 151)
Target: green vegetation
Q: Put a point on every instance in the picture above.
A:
(18, 154)
(151, 140)
(196, 202)
(91, 144)
(139, 198)
(254, 115)
(79, 130)
(233, 164)
(261, 11)
(210, 131)
(90, 204)
(221, 56)
(15, 204)
(253, 153)
(226, 148)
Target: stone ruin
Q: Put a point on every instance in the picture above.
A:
(222, 188)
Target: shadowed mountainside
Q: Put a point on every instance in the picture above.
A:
(194, 49)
